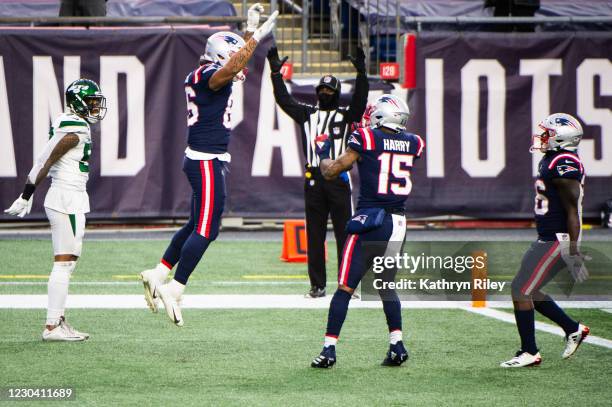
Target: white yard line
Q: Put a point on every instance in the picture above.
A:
(217, 301)
(541, 326)
(194, 283)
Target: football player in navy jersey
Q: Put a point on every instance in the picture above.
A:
(558, 215)
(208, 89)
(385, 154)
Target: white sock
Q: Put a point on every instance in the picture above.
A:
(395, 336)
(163, 271)
(57, 290)
(177, 289)
(330, 341)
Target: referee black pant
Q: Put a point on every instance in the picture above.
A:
(324, 198)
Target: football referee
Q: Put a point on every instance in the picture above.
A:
(323, 197)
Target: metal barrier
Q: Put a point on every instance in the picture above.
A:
(318, 35)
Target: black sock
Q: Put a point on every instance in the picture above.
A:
(549, 308)
(338, 307)
(393, 310)
(191, 253)
(525, 322)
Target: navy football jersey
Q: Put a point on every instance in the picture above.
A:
(384, 167)
(550, 215)
(208, 111)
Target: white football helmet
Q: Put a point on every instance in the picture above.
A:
(559, 131)
(220, 47)
(391, 112)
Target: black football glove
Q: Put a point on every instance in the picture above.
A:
(275, 62)
(359, 61)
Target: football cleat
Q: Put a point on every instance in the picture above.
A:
(326, 359)
(396, 355)
(63, 333)
(150, 280)
(573, 341)
(171, 302)
(523, 359)
(315, 292)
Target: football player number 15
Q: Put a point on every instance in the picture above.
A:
(395, 164)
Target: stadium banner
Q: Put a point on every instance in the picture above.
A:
(477, 100)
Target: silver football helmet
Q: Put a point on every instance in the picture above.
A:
(220, 47)
(559, 131)
(391, 112)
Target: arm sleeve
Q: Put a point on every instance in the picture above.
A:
(359, 100)
(355, 141)
(296, 110)
(42, 158)
(566, 166)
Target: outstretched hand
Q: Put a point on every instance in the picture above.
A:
(275, 62)
(359, 61)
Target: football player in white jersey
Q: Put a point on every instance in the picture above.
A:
(65, 159)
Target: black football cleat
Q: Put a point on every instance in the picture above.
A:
(315, 292)
(326, 359)
(396, 355)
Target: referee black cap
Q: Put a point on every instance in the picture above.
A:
(329, 81)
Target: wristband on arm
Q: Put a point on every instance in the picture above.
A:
(28, 190)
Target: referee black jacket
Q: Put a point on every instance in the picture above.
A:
(313, 121)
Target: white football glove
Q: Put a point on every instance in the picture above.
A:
(577, 267)
(20, 207)
(253, 16)
(266, 27)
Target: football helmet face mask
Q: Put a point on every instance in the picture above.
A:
(220, 47)
(559, 131)
(391, 112)
(85, 99)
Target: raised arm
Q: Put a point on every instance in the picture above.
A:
(296, 110)
(253, 16)
(241, 58)
(359, 99)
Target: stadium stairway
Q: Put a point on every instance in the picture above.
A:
(322, 59)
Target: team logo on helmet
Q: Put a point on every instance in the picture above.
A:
(230, 40)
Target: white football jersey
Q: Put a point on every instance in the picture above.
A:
(70, 173)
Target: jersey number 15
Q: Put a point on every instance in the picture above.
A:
(395, 164)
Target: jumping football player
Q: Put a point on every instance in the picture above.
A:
(208, 90)
(558, 215)
(66, 159)
(384, 153)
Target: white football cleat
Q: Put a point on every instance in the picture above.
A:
(151, 279)
(573, 341)
(523, 359)
(64, 332)
(172, 303)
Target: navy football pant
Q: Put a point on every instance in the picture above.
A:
(357, 258)
(540, 264)
(207, 180)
